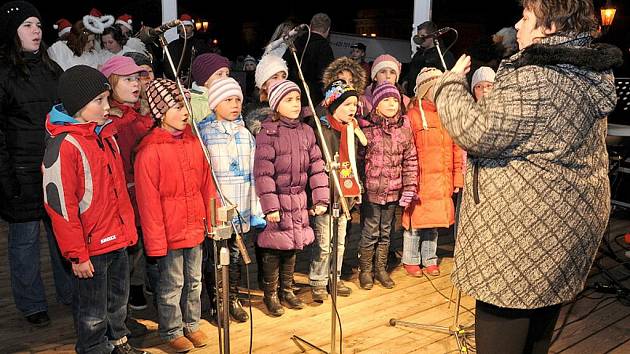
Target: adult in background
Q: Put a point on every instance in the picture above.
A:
(183, 56)
(537, 197)
(358, 54)
(427, 56)
(28, 88)
(317, 55)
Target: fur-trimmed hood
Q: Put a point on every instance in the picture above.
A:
(578, 51)
(359, 76)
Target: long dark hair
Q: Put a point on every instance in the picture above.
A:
(11, 54)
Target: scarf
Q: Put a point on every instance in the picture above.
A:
(348, 175)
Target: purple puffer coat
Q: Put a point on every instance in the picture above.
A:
(390, 158)
(287, 157)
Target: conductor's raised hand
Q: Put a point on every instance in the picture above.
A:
(462, 66)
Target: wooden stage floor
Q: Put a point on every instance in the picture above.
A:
(594, 323)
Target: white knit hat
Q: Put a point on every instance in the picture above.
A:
(385, 61)
(268, 66)
(484, 73)
(426, 78)
(223, 89)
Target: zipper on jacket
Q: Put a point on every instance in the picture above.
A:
(476, 182)
(89, 240)
(100, 143)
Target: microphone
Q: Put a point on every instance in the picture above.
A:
(439, 33)
(287, 37)
(147, 33)
(166, 26)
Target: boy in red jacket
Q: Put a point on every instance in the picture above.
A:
(173, 187)
(86, 197)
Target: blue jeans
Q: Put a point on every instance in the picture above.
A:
(320, 261)
(100, 303)
(179, 292)
(420, 246)
(24, 262)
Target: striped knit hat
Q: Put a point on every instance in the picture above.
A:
(383, 91)
(162, 95)
(278, 90)
(385, 61)
(222, 89)
(425, 79)
(336, 94)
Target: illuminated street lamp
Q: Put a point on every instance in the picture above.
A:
(608, 14)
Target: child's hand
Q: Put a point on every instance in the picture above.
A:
(456, 190)
(320, 209)
(274, 216)
(406, 199)
(83, 270)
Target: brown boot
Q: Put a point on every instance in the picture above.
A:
(181, 344)
(198, 338)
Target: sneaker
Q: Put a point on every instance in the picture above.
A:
(342, 289)
(181, 344)
(198, 338)
(39, 319)
(433, 270)
(319, 293)
(413, 270)
(125, 348)
(137, 301)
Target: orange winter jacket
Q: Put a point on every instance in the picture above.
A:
(440, 164)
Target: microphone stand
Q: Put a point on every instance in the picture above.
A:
(460, 332)
(223, 229)
(332, 166)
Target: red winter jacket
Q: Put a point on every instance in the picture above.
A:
(131, 126)
(84, 189)
(173, 187)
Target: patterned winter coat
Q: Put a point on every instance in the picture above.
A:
(287, 157)
(440, 163)
(232, 148)
(390, 160)
(537, 197)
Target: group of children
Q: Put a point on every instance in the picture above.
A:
(123, 161)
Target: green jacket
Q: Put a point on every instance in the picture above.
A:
(199, 103)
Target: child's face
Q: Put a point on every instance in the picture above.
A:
(146, 78)
(388, 107)
(229, 109)
(345, 75)
(280, 75)
(386, 74)
(95, 111)
(222, 73)
(290, 106)
(175, 119)
(346, 111)
(249, 66)
(482, 88)
(127, 89)
(110, 43)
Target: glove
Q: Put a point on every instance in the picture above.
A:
(406, 199)
(257, 222)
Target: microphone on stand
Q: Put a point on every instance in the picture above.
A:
(148, 33)
(439, 33)
(287, 37)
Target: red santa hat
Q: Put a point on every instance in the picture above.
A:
(63, 26)
(125, 20)
(96, 22)
(186, 20)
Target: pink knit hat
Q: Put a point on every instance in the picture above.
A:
(278, 90)
(383, 91)
(223, 89)
(120, 65)
(385, 61)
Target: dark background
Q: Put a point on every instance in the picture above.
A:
(242, 27)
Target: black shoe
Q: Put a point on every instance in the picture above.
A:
(39, 319)
(342, 289)
(137, 301)
(237, 312)
(136, 329)
(319, 293)
(125, 348)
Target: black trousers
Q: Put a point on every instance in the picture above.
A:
(514, 331)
